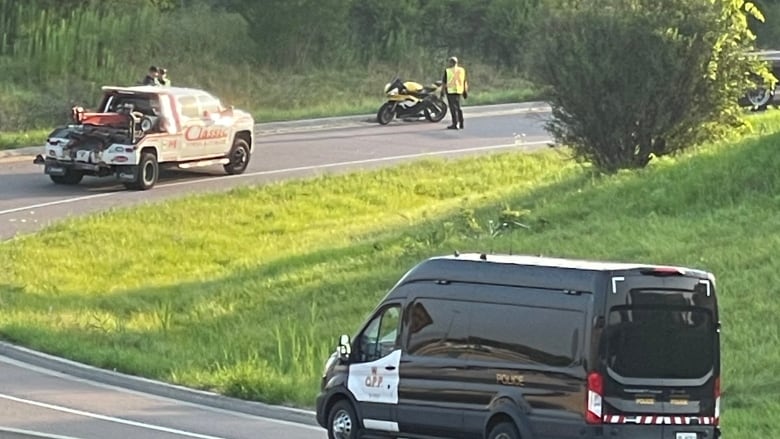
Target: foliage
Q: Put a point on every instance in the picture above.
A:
(489, 30)
(297, 31)
(643, 78)
(767, 31)
(59, 56)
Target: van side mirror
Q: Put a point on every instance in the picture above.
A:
(344, 347)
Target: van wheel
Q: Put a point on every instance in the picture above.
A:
(342, 422)
(504, 430)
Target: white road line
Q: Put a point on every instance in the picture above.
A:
(280, 171)
(107, 418)
(54, 203)
(55, 374)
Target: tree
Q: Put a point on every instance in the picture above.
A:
(295, 32)
(643, 78)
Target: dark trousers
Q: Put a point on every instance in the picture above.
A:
(453, 100)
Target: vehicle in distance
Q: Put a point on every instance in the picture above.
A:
(137, 130)
(763, 95)
(510, 347)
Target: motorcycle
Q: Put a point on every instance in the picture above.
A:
(409, 99)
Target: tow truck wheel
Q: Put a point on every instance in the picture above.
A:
(71, 177)
(342, 422)
(238, 156)
(148, 173)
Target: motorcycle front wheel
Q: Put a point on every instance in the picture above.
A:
(435, 111)
(386, 113)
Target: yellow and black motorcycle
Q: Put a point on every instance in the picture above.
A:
(412, 100)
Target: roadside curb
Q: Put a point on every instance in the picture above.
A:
(307, 125)
(370, 119)
(156, 388)
(14, 433)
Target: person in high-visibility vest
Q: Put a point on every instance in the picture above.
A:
(164, 80)
(455, 86)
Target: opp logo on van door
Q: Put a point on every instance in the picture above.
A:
(374, 380)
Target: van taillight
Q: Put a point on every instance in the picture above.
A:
(717, 400)
(663, 271)
(595, 392)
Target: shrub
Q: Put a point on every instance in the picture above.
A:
(643, 78)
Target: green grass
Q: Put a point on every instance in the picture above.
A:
(245, 294)
(10, 140)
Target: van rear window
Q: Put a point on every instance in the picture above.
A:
(652, 341)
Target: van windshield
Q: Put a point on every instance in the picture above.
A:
(656, 341)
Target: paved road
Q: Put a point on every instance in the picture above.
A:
(38, 400)
(41, 393)
(28, 199)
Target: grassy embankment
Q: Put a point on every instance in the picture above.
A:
(47, 72)
(245, 293)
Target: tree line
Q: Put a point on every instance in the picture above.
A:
(306, 32)
(628, 80)
(303, 32)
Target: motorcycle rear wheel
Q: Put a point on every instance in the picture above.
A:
(386, 113)
(435, 111)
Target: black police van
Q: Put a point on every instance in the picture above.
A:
(508, 347)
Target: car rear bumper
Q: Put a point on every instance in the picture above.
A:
(60, 167)
(54, 166)
(634, 431)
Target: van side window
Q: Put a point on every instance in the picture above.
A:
(523, 334)
(380, 336)
(437, 328)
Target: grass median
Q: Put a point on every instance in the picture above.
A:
(245, 293)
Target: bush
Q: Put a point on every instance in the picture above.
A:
(643, 78)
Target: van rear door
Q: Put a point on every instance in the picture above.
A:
(660, 350)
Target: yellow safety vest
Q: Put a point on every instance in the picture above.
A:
(456, 80)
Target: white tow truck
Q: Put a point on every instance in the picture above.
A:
(137, 130)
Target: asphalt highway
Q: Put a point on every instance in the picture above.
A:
(37, 400)
(65, 400)
(29, 200)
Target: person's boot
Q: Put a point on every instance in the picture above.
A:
(452, 127)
